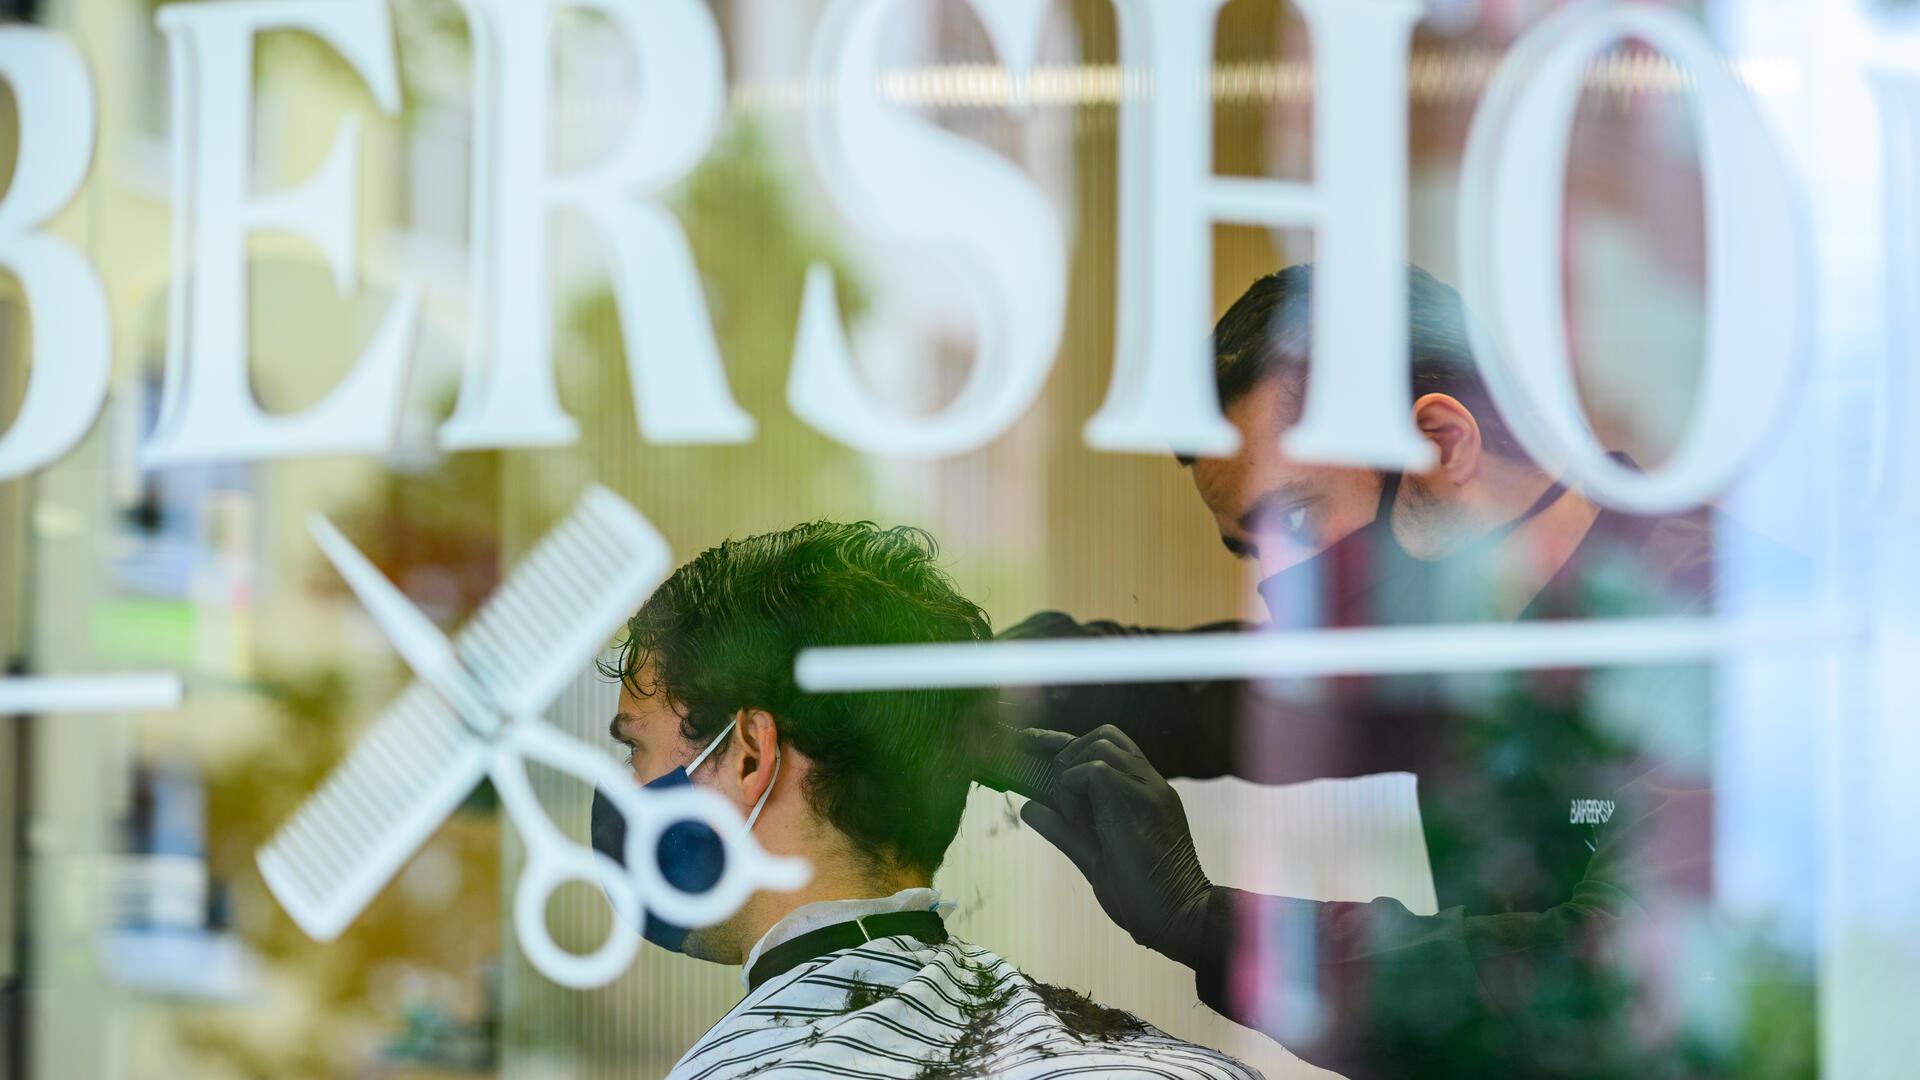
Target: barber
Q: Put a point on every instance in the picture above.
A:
(1518, 970)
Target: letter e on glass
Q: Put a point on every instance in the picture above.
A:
(207, 408)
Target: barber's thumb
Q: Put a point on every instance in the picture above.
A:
(1072, 841)
(1044, 743)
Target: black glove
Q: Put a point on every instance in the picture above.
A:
(1122, 824)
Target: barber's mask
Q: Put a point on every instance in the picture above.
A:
(1367, 577)
(690, 853)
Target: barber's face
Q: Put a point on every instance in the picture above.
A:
(1270, 509)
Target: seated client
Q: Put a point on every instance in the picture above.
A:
(854, 974)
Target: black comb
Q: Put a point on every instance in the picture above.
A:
(1006, 765)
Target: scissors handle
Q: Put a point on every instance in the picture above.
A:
(553, 861)
(539, 880)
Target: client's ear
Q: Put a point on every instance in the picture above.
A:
(758, 735)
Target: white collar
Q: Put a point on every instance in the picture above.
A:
(810, 917)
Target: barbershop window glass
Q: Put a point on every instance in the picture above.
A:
(1770, 933)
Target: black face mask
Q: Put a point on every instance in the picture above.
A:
(690, 856)
(691, 859)
(1367, 577)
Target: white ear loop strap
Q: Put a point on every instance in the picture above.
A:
(751, 818)
(715, 745)
(711, 747)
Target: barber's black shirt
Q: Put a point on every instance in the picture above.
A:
(1568, 824)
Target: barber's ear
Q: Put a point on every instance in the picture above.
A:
(758, 734)
(1455, 436)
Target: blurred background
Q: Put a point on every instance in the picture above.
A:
(136, 939)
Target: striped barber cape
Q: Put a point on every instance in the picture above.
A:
(922, 1005)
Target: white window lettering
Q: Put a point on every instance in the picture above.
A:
(1513, 190)
(70, 356)
(208, 411)
(1894, 481)
(508, 396)
(949, 200)
(1590, 812)
(1358, 399)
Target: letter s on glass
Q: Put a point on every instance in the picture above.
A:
(948, 199)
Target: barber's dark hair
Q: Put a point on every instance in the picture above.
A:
(890, 769)
(1266, 332)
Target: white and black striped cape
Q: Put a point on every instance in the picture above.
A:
(899, 1008)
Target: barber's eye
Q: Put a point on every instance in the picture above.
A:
(1297, 520)
(1289, 526)
(1296, 524)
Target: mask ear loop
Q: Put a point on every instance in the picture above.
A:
(1389, 496)
(758, 806)
(701, 757)
(715, 744)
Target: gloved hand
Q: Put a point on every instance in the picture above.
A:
(1123, 825)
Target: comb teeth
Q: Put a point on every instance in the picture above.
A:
(1006, 766)
(414, 765)
(562, 602)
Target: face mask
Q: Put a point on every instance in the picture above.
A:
(1367, 574)
(691, 856)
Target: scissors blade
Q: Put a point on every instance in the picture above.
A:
(418, 641)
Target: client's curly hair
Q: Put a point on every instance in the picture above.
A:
(890, 769)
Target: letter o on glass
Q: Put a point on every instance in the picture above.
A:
(1511, 213)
